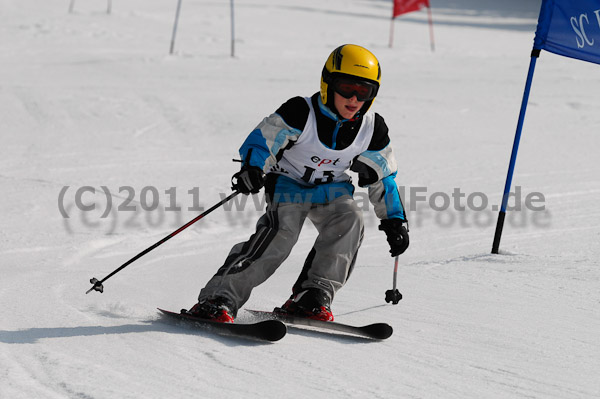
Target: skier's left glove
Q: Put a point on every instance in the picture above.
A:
(249, 179)
(397, 235)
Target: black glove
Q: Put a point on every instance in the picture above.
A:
(249, 179)
(397, 235)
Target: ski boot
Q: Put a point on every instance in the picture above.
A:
(216, 309)
(311, 303)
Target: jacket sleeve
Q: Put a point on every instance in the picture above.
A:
(377, 169)
(276, 133)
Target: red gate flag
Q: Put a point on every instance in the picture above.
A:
(406, 6)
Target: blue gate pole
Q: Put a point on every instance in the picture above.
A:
(513, 157)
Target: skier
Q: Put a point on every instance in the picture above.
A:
(300, 155)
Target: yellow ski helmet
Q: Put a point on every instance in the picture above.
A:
(353, 63)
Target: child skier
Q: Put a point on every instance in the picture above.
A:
(300, 155)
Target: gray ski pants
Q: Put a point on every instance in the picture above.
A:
(340, 230)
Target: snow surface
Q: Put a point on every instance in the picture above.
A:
(95, 100)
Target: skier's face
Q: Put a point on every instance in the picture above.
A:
(347, 107)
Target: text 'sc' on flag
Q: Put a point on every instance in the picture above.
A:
(406, 6)
(570, 28)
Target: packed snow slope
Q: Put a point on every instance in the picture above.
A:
(109, 143)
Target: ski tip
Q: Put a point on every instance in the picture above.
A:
(272, 330)
(379, 330)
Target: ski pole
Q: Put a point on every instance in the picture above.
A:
(97, 284)
(394, 295)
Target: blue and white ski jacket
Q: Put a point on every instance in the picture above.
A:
(305, 150)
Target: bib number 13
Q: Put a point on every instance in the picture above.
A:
(309, 176)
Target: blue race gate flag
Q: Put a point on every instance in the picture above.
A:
(565, 27)
(570, 28)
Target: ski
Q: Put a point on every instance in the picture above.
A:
(266, 330)
(376, 331)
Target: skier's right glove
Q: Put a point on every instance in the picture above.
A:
(249, 179)
(397, 235)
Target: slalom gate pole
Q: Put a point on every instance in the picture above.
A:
(175, 24)
(391, 44)
(232, 29)
(513, 157)
(97, 284)
(431, 37)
